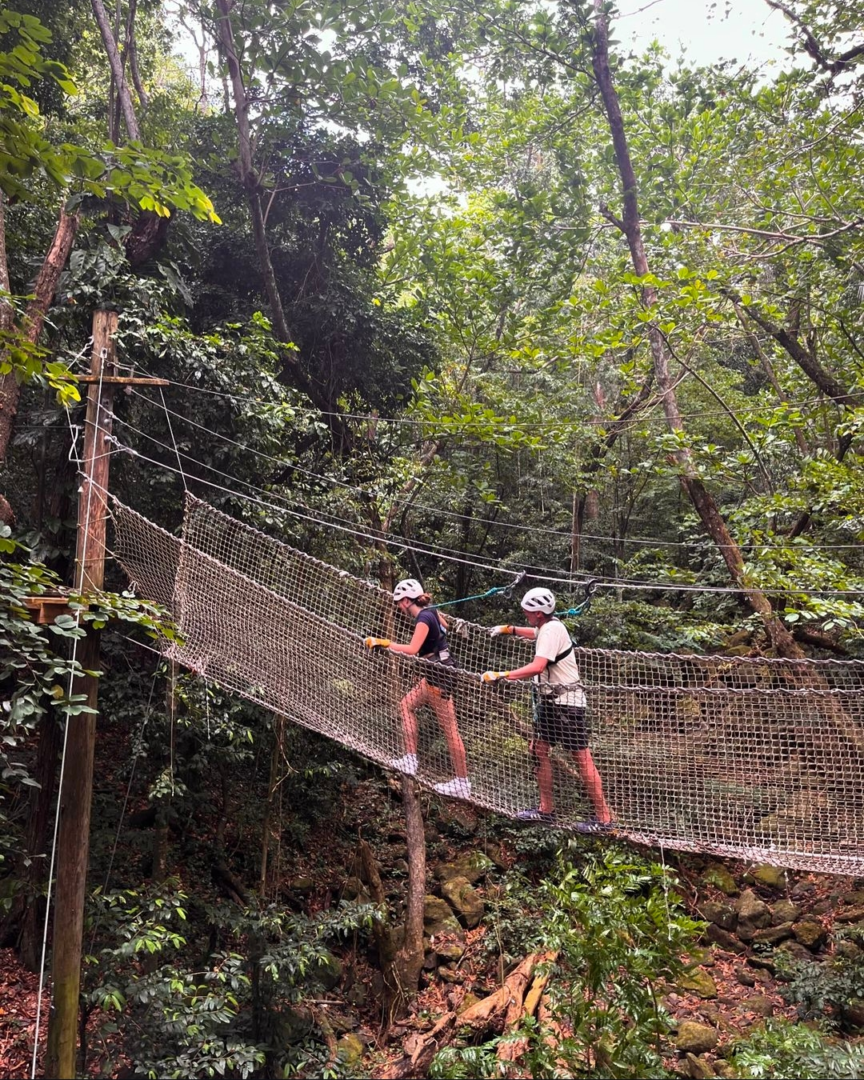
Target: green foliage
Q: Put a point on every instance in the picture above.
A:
(225, 1014)
(780, 1048)
(619, 932)
(825, 990)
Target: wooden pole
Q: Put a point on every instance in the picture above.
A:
(77, 780)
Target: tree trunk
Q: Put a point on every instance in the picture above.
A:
(272, 787)
(249, 181)
(712, 520)
(44, 289)
(408, 962)
(117, 70)
(22, 926)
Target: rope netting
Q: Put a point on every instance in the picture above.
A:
(749, 758)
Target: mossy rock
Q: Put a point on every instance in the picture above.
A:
(465, 900)
(439, 920)
(695, 1038)
(471, 866)
(351, 1049)
(770, 877)
(718, 876)
(698, 982)
(328, 971)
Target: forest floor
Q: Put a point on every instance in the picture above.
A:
(740, 989)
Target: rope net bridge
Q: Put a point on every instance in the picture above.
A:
(748, 758)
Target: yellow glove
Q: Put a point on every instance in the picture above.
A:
(376, 642)
(496, 630)
(493, 676)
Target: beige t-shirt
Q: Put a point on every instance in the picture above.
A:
(551, 640)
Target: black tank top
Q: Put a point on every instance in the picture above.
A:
(435, 646)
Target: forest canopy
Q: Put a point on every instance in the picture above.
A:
(449, 292)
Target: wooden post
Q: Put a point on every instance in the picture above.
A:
(77, 780)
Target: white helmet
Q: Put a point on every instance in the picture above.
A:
(408, 589)
(539, 600)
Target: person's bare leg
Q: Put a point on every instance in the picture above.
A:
(407, 707)
(543, 767)
(593, 784)
(446, 713)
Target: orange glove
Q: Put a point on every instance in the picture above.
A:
(493, 676)
(496, 630)
(376, 642)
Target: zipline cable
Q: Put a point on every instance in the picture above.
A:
(546, 574)
(336, 482)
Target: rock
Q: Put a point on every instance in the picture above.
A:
(496, 854)
(851, 914)
(771, 877)
(698, 982)
(301, 884)
(703, 957)
(722, 915)
(467, 1002)
(760, 1004)
(854, 899)
(458, 819)
(439, 920)
(754, 910)
(744, 977)
(472, 866)
(822, 907)
(328, 972)
(354, 889)
(351, 1050)
(796, 950)
(697, 1067)
(753, 914)
(693, 1038)
(357, 995)
(848, 950)
(810, 933)
(718, 876)
(430, 960)
(291, 1025)
(723, 1068)
(773, 935)
(723, 939)
(802, 890)
(712, 1014)
(784, 911)
(449, 974)
(450, 951)
(762, 963)
(465, 900)
(853, 1014)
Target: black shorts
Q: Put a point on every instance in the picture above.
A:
(561, 725)
(439, 675)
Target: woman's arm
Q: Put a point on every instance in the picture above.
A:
(421, 632)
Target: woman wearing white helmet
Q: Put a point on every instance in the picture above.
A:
(559, 717)
(429, 642)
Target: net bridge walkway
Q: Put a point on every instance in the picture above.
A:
(755, 759)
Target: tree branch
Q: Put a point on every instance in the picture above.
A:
(812, 46)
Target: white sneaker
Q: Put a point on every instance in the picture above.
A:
(459, 787)
(407, 765)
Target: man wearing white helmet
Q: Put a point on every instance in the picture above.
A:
(560, 717)
(429, 642)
